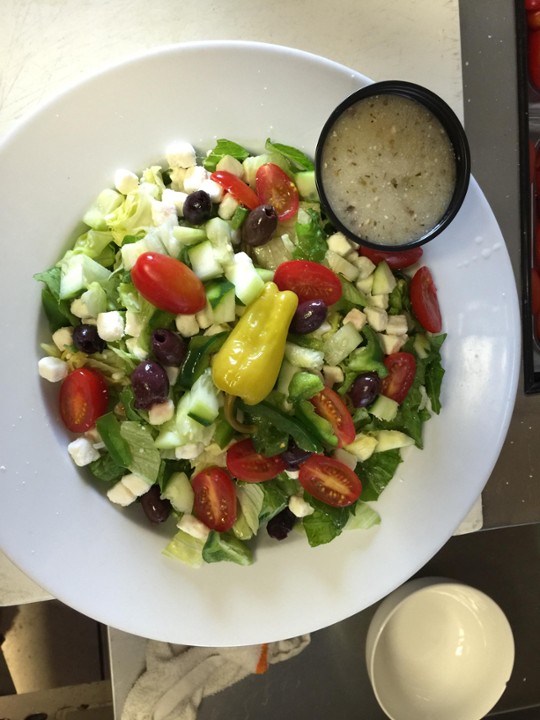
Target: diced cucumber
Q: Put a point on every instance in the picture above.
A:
(391, 440)
(248, 285)
(203, 261)
(341, 266)
(285, 376)
(303, 357)
(221, 296)
(363, 446)
(422, 345)
(179, 492)
(218, 232)
(305, 183)
(203, 406)
(265, 274)
(169, 437)
(77, 272)
(186, 548)
(341, 344)
(383, 279)
(188, 235)
(384, 408)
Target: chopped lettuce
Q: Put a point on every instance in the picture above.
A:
(224, 147)
(310, 238)
(297, 159)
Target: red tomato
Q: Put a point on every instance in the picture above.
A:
(215, 498)
(535, 291)
(245, 463)
(532, 4)
(396, 259)
(168, 284)
(533, 19)
(533, 57)
(83, 399)
(424, 300)
(401, 368)
(330, 481)
(238, 189)
(309, 280)
(275, 187)
(331, 407)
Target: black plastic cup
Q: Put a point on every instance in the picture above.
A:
(456, 134)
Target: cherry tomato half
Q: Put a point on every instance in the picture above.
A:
(275, 188)
(309, 280)
(329, 405)
(533, 57)
(245, 463)
(330, 481)
(401, 368)
(424, 300)
(215, 498)
(396, 259)
(168, 284)
(237, 188)
(83, 399)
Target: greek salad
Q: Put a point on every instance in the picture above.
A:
(228, 363)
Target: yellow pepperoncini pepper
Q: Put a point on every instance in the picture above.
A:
(248, 363)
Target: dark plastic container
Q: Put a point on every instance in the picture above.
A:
(456, 135)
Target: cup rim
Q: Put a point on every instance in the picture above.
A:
(456, 134)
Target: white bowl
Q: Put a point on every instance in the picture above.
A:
(438, 649)
(59, 529)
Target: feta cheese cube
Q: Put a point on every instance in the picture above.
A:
(227, 207)
(356, 317)
(177, 176)
(380, 301)
(162, 213)
(193, 526)
(82, 451)
(175, 199)
(136, 485)
(133, 324)
(365, 266)
(159, 413)
(365, 285)
(232, 165)
(52, 369)
(63, 337)
(392, 343)
(110, 325)
(189, 451)
(205, 317)
(299, 507)
(214, 329)
(187, 325)
(132, 345)
(120, 494)
(214, 190)
(377, 318)
(125, 181)
(397, 325)
(80, 309)
(194, 178)
(172, 373)
(332, 374)
(341, 245)
(181, 154)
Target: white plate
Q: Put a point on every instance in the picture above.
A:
(54, 524)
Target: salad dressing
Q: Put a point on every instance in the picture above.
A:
(388, 169)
